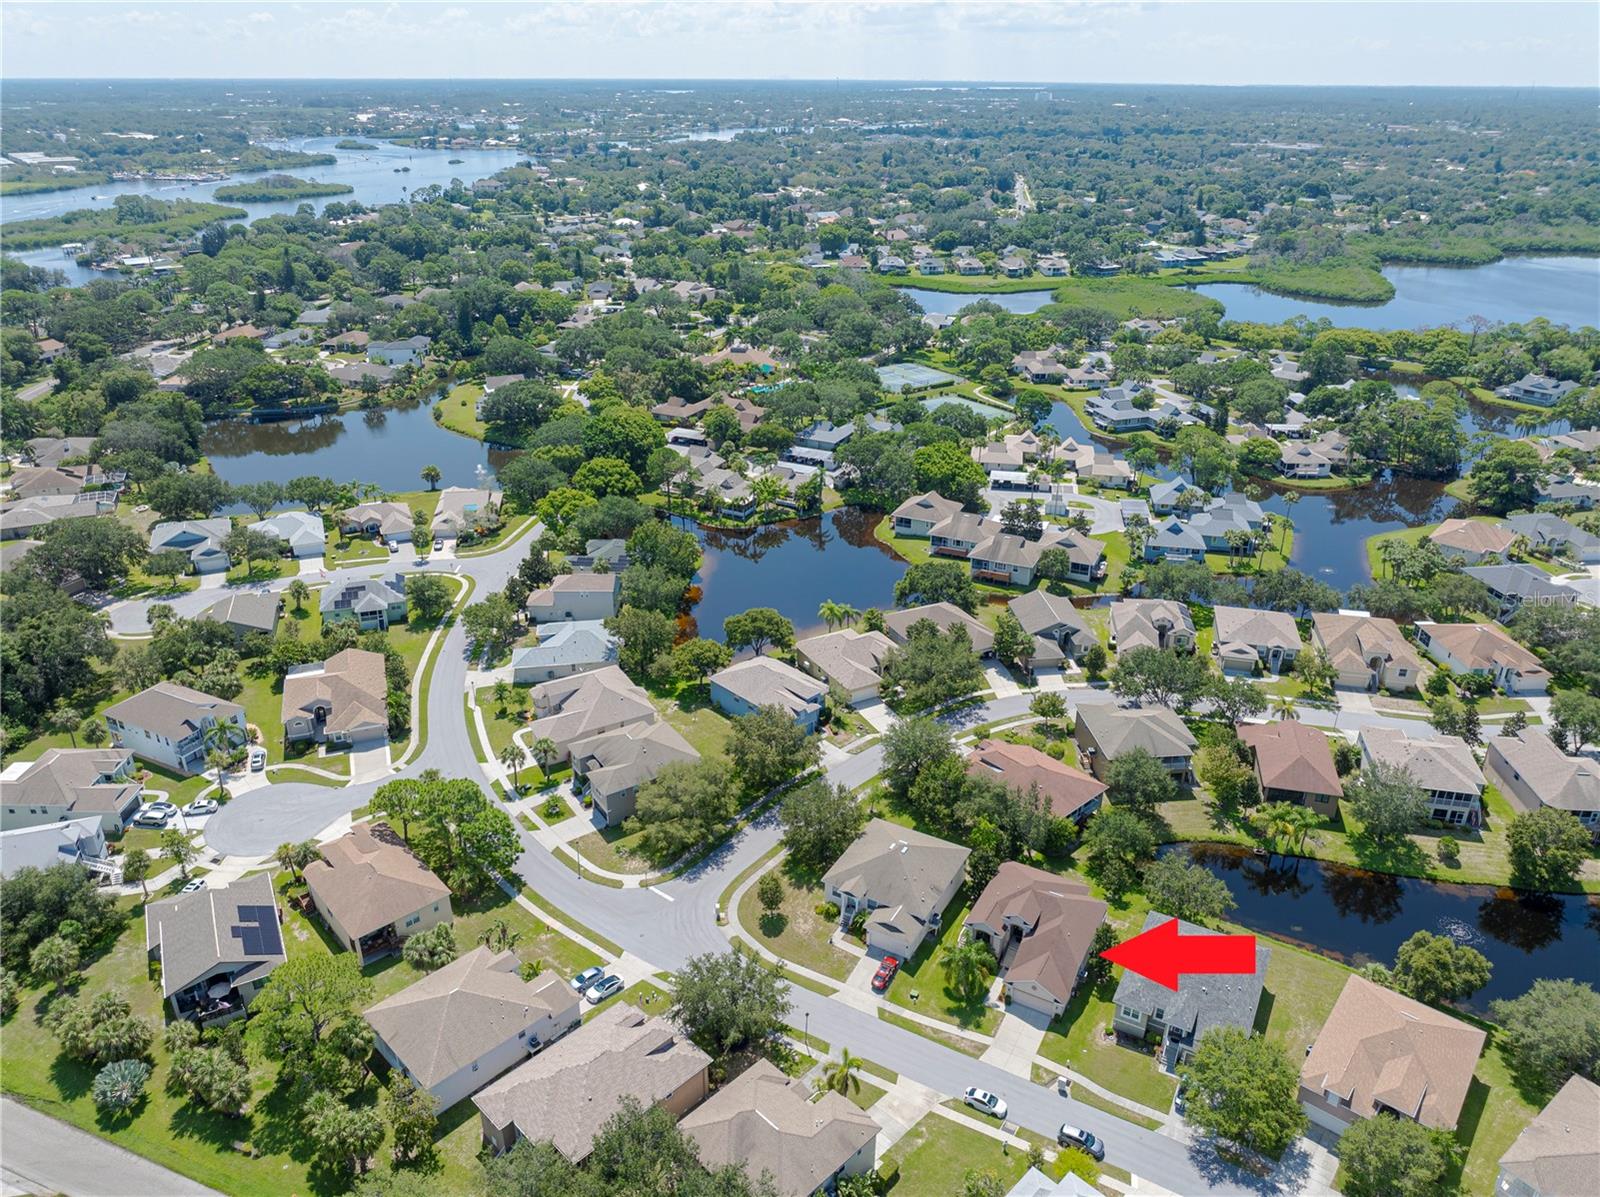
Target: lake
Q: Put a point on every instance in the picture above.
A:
(948, 303)
(1355, 917)
(1565, 290)
(792, 567)
(387, 448)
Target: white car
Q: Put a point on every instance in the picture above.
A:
(196, 884)
(201, 806)
(985, 1102)
(156, 814)
(258, 759)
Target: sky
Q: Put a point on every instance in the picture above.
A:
(1434, 42)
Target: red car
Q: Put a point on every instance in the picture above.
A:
(885, 974)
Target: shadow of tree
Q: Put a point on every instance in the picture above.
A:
(774, 924)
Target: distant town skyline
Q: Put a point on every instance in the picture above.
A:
(1443, 43)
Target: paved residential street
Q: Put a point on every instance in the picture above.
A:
(43, 1156)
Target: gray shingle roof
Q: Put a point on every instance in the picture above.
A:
(1202, 1000)
(198, 932)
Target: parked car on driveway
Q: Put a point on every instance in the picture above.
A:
(438, 544)
(604, 988)
(155, 814)
(201, 806)
(985, 1102)
(885, 974)
(258, 759)
(197, 884)
(587, 978)
(394, 546)
(1084, 1141)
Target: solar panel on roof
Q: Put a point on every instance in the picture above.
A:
(257, 931)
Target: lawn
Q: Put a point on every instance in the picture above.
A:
(937, 1154)
(458, 411)
(688, 708)
(923, 975)
(796, 931)
(954, 1042)
(614, 850)
(1076, 1039)
(1298, 996)
(646, 995)
(502, 720)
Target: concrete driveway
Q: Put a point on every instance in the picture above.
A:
(370, 763)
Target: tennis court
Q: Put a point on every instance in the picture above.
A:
(900, 375)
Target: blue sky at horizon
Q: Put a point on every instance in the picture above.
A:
(1432, 43)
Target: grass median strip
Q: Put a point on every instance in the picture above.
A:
(561, 918)
(965, 1046)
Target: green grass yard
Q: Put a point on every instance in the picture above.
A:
(796, 931)
(1077, 1040)
(924, 975)
(938, 1153)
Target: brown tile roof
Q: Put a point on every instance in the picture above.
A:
(1019, 767)
(1558, 1153)
(1063, 917)
(368, 879)
(566, 1092)
(1379, 1047)
(765, 1121)
(1292, 756)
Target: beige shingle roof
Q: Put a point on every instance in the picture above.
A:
(368, 879)
(587, 704)
(1292, 756)
(1063, 915)
(1246, 625)
(1484, 646)
(905, 872)
(945, 616)
(768, 682)
(1019, 767)
(1473, 536)
(1351, 641)
(171, 710)
(1570, 783)
(71, 777)
(851, 658)
(1435, 763)
(350, 684)
(765, 1121)
(1558, 1153)
(453, 1016)
(566, 1093)
(1379, 1047)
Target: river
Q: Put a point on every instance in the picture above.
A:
(948, 303)
(1355, 917)
(793, 567)
(1564, 290)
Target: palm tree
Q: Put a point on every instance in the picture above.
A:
(968, 966)
(218, 760)
(220, 739)
(298, 593)
(1302, 822)
(544, 751)
(830, 613)
(1276, 822)
(431, 475)
(1238, 544)
(499, 936)
(1284, 707)
(767, 490)
(513, 757)
(839, 1076)
(64, 717)
(1269, 522)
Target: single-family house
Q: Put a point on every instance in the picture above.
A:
(1513, 586)
(1473, 541)
(1381, 1052)
(246, 612)
(50, 451)
(611, 766)
(1104, 733)
(217, 947)
(1538, 389)
(300, 532)
(904, 879)
(944, 616)
(343, 700)
(564, 649)
(1038, 366)
(746, 686)
(1443, 766)
(1011, 560)
(408, 352)
(464, 508)
(1059, 633)
(1151, 623)
(372, 603)
(678, 410)
(71, 784)
(200, 540)
(1174, 540)
(771, 1124)
(1070, 793)
(567, 1093)
(1293, 763)
(387, 521)
(1368, 652)
(1558, 1153)
(1487, 650)
(851, 660)
(583, 705)
(465, 1024)
(166, 724)
(1551, 533)
(1176, 495)
(575, 597)
(372, 893)
(1242, 636)
(1040, 927)
(79, 841)
(824, 435)
(1533, 773)
(1202, 1001)
(960, 533)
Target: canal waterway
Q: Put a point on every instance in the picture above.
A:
(1564, 290)
(948, 303)
(1356, 917)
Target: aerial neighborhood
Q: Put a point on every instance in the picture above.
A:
(695, 645)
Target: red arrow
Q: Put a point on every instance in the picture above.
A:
(1160, 954)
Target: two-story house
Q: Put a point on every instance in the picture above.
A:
(167, 724)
